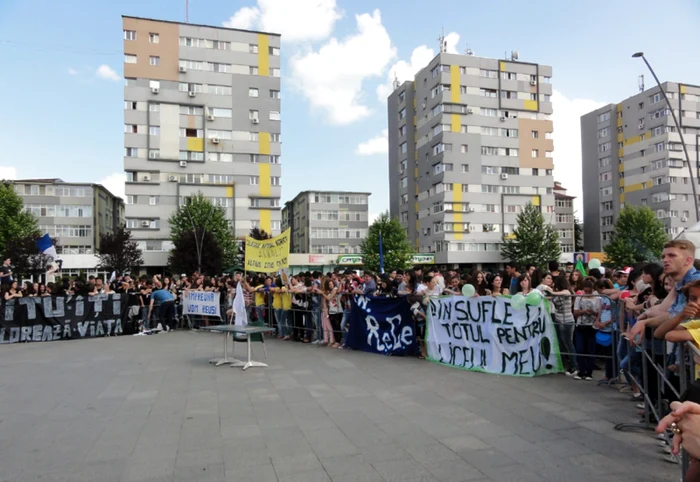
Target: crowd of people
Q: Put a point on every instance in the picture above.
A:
(602, 316)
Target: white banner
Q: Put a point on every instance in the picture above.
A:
(205, 303)
(487, 334)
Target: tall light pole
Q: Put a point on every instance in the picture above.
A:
(693, 169)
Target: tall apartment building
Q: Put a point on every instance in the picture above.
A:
(632, 154)
(327, 222)
(564, 221)
(202, 114)
(76, 214)
(470, 144)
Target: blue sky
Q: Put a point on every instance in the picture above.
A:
(62, 119)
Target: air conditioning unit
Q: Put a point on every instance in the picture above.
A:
(533, 82)
(191, 93)
(183, 163)
(173, 178)
(470, 111)
(513, 116)
(214, 140)
(256, 120)
(210, 117)
(155, 90)
(145, 224)
(504, 176)
(685, 220)
(146, 178)
(470, 210)
(182, 69)
(641, 126)
(503, 119)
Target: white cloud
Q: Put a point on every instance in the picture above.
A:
(296, 21)
(566, 117)
(104, 71)
(451, 41)
(72, 71)
(114, 183)
(9, 173)
(376, 145)
(420, 57)
(331, 78)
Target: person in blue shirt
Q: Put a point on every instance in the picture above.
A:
(166, 308)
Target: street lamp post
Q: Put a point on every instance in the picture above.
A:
(693, 171)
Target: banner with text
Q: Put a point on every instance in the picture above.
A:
(58, 318)
(487, 334)
(382, 325)
(267, 255)
(205, 303)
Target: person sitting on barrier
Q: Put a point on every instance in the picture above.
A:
(586, 310)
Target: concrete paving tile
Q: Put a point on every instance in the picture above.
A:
(400, 470)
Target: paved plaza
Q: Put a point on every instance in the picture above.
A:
(154, 409)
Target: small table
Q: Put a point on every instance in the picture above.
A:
(243, 330)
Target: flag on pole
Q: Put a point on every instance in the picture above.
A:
(580, 268)
(381, 254)
(239, 306)
(46, 246)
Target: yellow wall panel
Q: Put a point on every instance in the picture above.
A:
(195, 144)
(229, 191)
(415, 173)
(620, 137)
(263, 56)
(454, 84)
(457, 217)
(619, 108)
(456, 123)
(502, 66)
(264, 143)
(531, 105)
(536, 200)
(266, 220)
(264, 178)
(621, 167)
(683, 89)
(621, 152)
(622, 197)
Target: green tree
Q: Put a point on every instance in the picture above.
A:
(16, 222)
(119, 252)
(638, 236)
(183, 257)
(578, 236)
(202, 220)
(534, 241)
(397, 250)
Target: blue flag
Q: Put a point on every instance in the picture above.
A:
(46, 246)
(382, 325)
(381, 254)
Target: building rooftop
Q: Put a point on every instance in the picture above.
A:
(201, 25)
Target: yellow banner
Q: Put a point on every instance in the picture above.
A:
(269, 255)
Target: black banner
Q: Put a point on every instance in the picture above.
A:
(50, 318)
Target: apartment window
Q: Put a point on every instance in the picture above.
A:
(656, 98)
(196, 133)
(491, 74)
(274, 51)
(253, 49)
(132, 152)
(252, 92)
(534, 134)
(490, 93)
(605, 147)
(275, 181)
(605, 176)
(402, 113)
(659, 147)
(511, 190)
(489, 131)
(253, 70)
(154, 60)
(129, 35)
(254, 180)
(464, 149)
(402, 130)
(509, 132)
(154, 130)
(274, 115)
(154, 200)
(489, 112)
(275, 159)
(154, 107)
(604, 162)
(535, 153)
(253, 115)
(132, 199)
(131, 129)
(275, 72)
(489, 169)
(219, 157)
(535, 172)
(465, 168)
(605, 116)
(154, 38)
(154, 154)
(129, 59)
(219, 112)
(604, 132)
(509, 94)
(275, 94)
(489, 151)
(489, 188)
